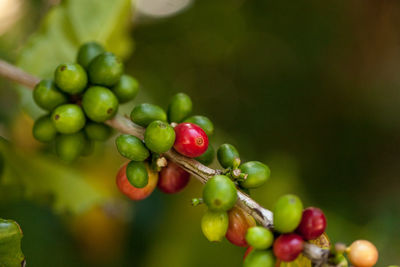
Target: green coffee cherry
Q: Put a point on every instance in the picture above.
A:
(179, 108)
(47, 96)
(97, 131)
(260, 258)
(87, 52)
(159, 136)
(136, 173)
(259, 237)
(70, 146)
(208, 157)
(226, 155)
(99, 103)
(68, 118)
(144, 114)
(131, 147)
(126, 89)
(288, 211)
(214, 225)
(70, 78)
(44, 130)
(220, 193)
(203, 122)
(258, 174)
(105, 69)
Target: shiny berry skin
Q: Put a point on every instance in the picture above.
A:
(288, 247)
(226, 155)
(136, 173)
(191, 141)
(144, 114)
(159, 136)
(68, 118)
(362, 253)
(131, 147)
(259, 237)
(126, 188)
(71, 78)
(47, 96)
(214, 225)
(207, 157)
(97, 131)
(173, 178)
(312, 224)
(247, 252)
(99, 103)
(204, 123)
(179, 108)
(126, 89)
(259, 258)
(220, 193)
(258, 173)
(239, 222)
(288, 211)
(43, 130)
(106, 69)
(70, 146)
(87, 52)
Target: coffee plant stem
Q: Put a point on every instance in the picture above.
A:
(317, 255)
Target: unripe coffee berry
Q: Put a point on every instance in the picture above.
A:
(207, 157)
(44, 130)
(312, 224)
(362, 253)
(105, 69)
(131, 147)
(214, 225)
(203, 122)
(70, 146)
(226, 155)
(71, 78)
(126, 88)
(99, 103)
(144, 114)
(257, 174)
(288, 247)
(97, 131)
(136, 174)
(239, 222)
(47, 96)
(159, 136)
(68, 118)
(179, 108)
(259, 237)
(259, 258)
(287, 213)
(191, 141)
(173, 178)
(220, 193)
(87, 52)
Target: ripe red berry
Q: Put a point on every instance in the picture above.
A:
(313, 223)
(288, 247)
(173, 178)
(247, 252)
(239, 222)
(191, 141)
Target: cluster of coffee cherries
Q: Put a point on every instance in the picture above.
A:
(80, 98)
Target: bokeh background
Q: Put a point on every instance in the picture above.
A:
(312, 88)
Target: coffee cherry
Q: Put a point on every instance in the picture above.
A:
(70, 146)
(144, 114)
(207, 157)
(99, 103)
(105, 69)
(132, 192)
(44, 130)
(68, 118)
(239, 222)
(260, 258)
(126, 88)
(214, 225)
(203, 122)
(87, 52)
(247, 252)
(136, 174)
(288, 247)
(258, 173)
(97, 131)
(362, 253)
(173, 178)
(131, 147)
(70, 78)
(159, 137)
(220, 193)
(226, 155)
(47, 96)
(312, 224)
(259, 237)
(191, 141)
(179, 108)
(287, 213)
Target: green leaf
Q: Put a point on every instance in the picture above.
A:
(64, 29)
(10, 244)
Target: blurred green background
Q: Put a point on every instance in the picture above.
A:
(311, 88)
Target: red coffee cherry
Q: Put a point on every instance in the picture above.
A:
(132, 192)
(191, 141)
(173, 178)
(239, 222)
(247, 252)
(288, 247)
(312, 224)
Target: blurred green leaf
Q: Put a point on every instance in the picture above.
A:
(10, 244)
(64, 28)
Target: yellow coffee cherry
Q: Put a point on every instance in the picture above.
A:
(363, 253)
